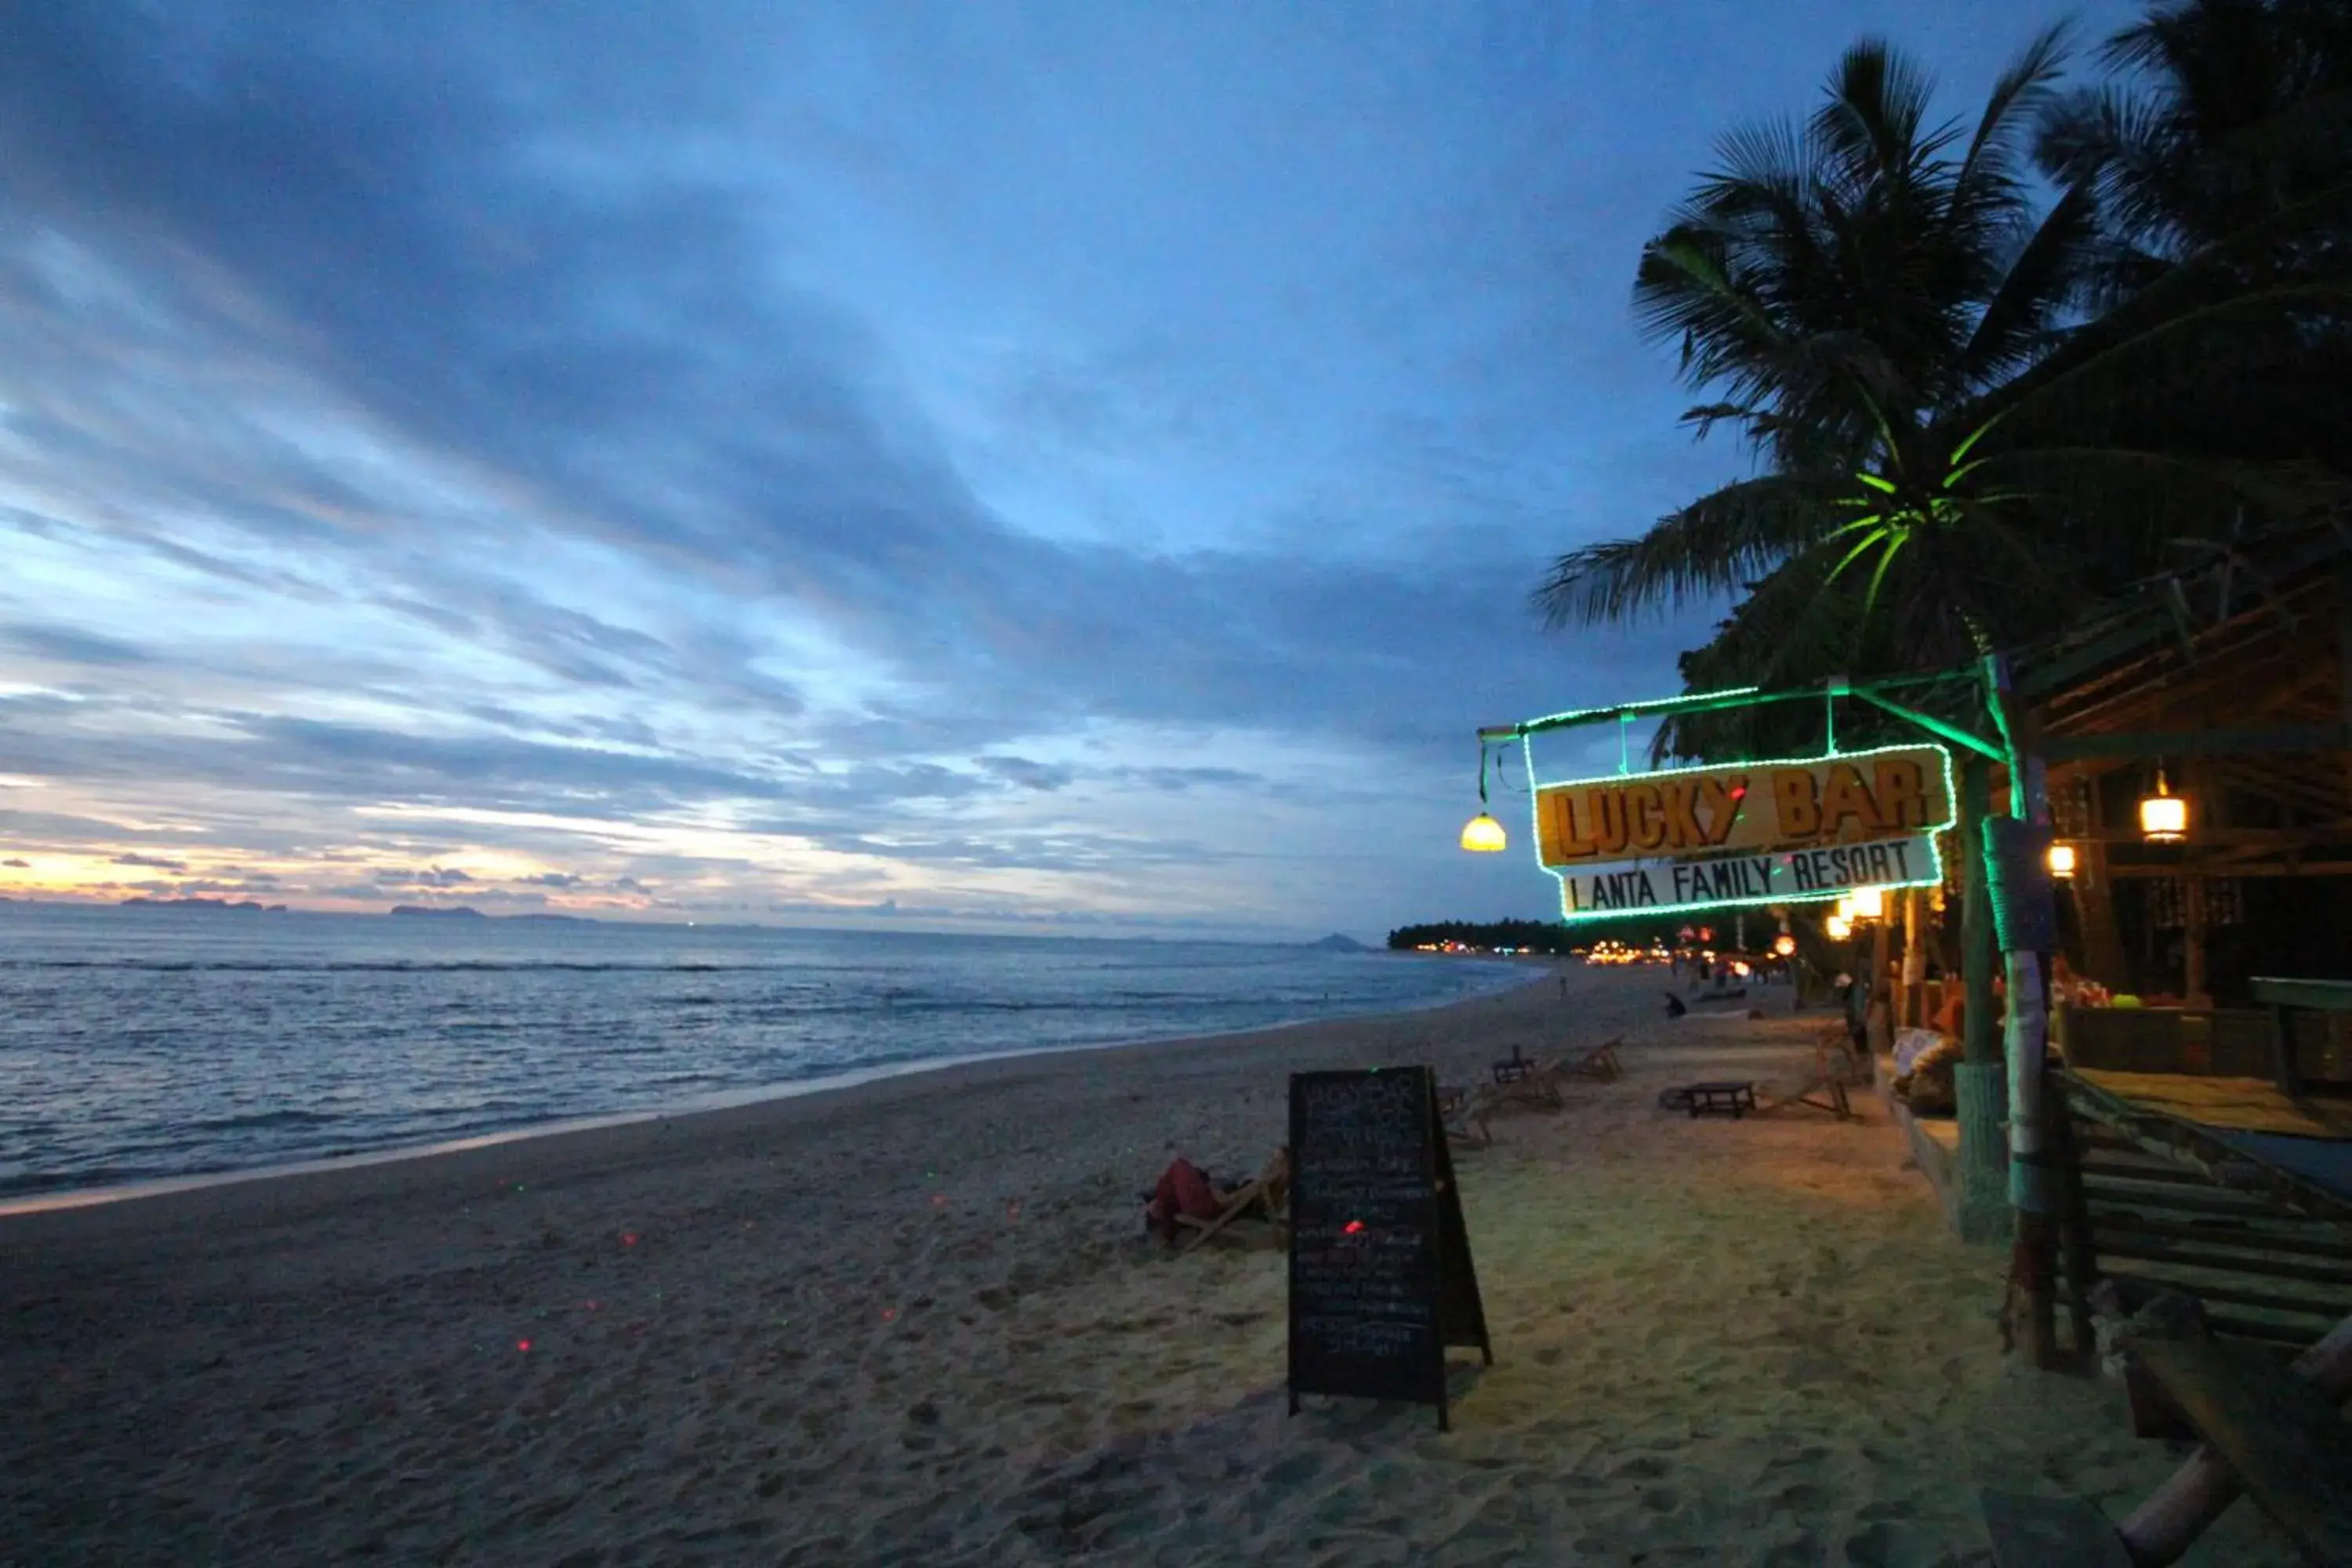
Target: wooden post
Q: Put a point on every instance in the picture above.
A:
(2035, 1182)
(2192, 941)
(1977, 1081)
(1881, 965)
(1977, 1034)
(2104, 958)
(1915, 959)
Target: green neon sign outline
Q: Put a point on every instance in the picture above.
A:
(1935, 859)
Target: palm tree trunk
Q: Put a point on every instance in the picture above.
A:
(1978, 1085)
(2030, 1311)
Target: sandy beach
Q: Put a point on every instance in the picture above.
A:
(917, 1323)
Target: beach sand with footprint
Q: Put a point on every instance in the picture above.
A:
(917, 1323)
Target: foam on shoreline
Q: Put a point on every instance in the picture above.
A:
(51, 1200)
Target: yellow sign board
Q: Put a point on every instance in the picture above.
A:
(1754, 808)
(1758, 833)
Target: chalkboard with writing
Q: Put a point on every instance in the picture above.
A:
(1381, 1278)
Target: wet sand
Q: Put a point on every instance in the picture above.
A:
(917, 1323)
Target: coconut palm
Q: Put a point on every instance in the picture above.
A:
(2214, 396)
(2220, 114)
(1950, 455)
(2223, 119)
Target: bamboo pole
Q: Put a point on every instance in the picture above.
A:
(1977, 1083)
(2035, 1185)
(1915, 959)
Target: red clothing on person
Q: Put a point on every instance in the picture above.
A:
(1952, 1019)
(1184, 1188)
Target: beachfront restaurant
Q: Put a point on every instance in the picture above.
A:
(2199, 778)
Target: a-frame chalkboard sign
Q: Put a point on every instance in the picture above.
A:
(1381, 1278)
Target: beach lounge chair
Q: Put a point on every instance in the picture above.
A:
(1599, 1063)
(1538, 1089)
(1835, 1071)
(1542, 1086)
(1267, 1195)
(1464, 1117)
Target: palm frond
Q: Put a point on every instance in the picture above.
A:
(1709, 547)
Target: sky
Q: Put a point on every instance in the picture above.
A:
(1068, 468)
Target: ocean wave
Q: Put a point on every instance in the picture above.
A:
(397, 967)
(260, 1119)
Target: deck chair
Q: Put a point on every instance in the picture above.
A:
(1834, 1072)
(1601, 1063)
(1538, 1089)
(1541, 1088)
(1464, 1117)
(1268, 1194)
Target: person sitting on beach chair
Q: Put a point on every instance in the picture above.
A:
(1188, 1200)
(1184, 1189)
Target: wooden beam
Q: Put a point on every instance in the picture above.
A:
(2226, 1165)
(2250, 869)
(2200, 742)
(2319, 996)
(2250, 838)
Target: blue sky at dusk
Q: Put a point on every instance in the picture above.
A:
(1073, 467)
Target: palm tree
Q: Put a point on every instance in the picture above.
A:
(2221, 114)
(2224, 119)
(2217, 172)
(1950, 453)
(1954, 447)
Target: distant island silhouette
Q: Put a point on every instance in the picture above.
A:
(245, 905)
(467, 912)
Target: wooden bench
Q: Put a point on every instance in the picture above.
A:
(2280, 995)
(1732, 1100)
(2289, 1447)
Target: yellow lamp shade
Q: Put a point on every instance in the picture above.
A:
(2163, 818)
(2061, 862)
(1482, 835)
(1869, 903)
(1844, 910)
(1784, 945)
(1838, 928)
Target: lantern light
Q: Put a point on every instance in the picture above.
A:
(1784, 945)
(1869, 903)
(1844, 910)
(2061, 862)
(1482, 835)
(1838, 927)
(2164, 815)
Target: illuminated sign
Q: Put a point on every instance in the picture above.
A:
(1758, 833)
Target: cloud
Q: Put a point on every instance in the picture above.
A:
(433, 876)
(1176, 780)
(473, 424)
(153, 862)
(17, 865)
(1028, 774)
(67, 645)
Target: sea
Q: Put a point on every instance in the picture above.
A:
(144, 1044)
